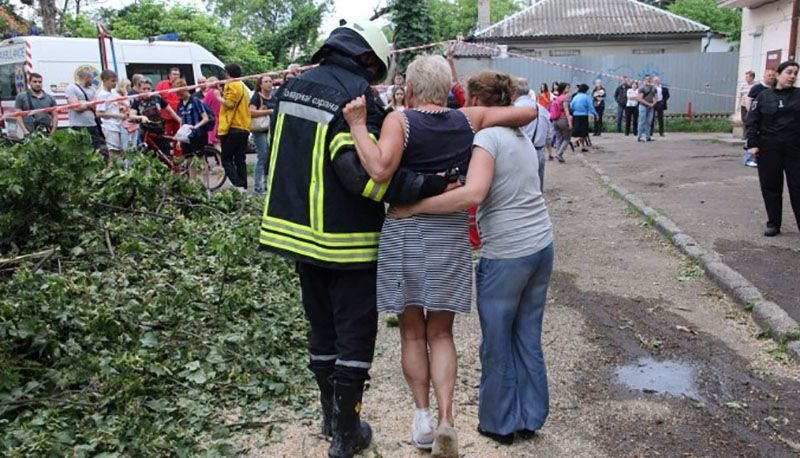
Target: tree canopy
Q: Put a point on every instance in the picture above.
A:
(412, 27)
(454, 17)
(283, 29)
(150, 18)
(724, 20)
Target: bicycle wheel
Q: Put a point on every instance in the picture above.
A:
(212, 174)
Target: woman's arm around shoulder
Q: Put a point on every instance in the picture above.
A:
(483, 117)
(479, 180)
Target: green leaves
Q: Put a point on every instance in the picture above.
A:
(138, 354)
(229, 44)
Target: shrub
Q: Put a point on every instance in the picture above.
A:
(154, 327)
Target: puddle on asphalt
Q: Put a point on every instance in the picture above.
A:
(672, 378)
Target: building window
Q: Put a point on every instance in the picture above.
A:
(650, 51)
(564, 52)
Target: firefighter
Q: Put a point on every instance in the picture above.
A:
(323, 211)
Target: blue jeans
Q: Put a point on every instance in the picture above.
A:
(542, 162)
(620, 117)
(645, 122)
(513, 393)
(261, 139)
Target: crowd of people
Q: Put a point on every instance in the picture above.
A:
(640, 104)
(212, 114)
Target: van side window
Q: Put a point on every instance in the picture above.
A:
(209, 70)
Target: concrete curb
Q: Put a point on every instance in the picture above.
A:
(768, 315)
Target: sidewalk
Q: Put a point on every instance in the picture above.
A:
(699, 182)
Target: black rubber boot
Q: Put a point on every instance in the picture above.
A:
(350, 434)
(323, 376)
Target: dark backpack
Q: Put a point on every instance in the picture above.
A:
(212, 119)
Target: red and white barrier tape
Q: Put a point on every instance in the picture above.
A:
(65, 108)
(74, 106)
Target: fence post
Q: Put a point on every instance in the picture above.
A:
(689, 113)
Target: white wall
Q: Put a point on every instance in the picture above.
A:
(765, 28)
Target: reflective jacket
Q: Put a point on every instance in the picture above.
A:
(321, 206)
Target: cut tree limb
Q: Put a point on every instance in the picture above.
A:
(26, 257)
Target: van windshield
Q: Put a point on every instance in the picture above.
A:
(12, 80)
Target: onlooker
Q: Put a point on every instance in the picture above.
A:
(294, 71)
(457, 97)
(621, 97)
(148, 109)
(234, 127)
(136, 83)
(581, 108)
(773, 136)
(744, 105)
(261, 107)
(192, 114)
(399, 80)
(554, 88)
(200, 91)
(130, 129)
(632, 109)
(110, 114)
(513, 274)
(562, 120)
(170, 126)
(212, 99)
(647, 102)
(397, 102)
(540, 130)
(767, 82)
(33, 99)
(662, 96)
(83, 118)
(599, 100)
(546, 100)
(744, 90)
(545, 96)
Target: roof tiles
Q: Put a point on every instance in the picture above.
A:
(582, 18)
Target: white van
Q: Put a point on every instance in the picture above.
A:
(58, 59)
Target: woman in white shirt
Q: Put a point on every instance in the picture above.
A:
(632, 109)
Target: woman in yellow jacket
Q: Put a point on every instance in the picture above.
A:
(234, 127)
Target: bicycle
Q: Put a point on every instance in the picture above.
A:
(212, 174)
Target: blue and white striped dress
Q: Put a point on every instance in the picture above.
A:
(426, 260)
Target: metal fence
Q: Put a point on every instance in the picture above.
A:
(692, 78)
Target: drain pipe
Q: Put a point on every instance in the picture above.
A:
(793, 33)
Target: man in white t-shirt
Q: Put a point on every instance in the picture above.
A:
(109, 114)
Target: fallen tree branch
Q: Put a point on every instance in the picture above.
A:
(254, 424)
(109, 245)
(25, 257)
(141, 212)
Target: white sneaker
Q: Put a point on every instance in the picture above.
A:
(751, 164)
(422, 429)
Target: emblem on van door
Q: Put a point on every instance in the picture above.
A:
(91, 69)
